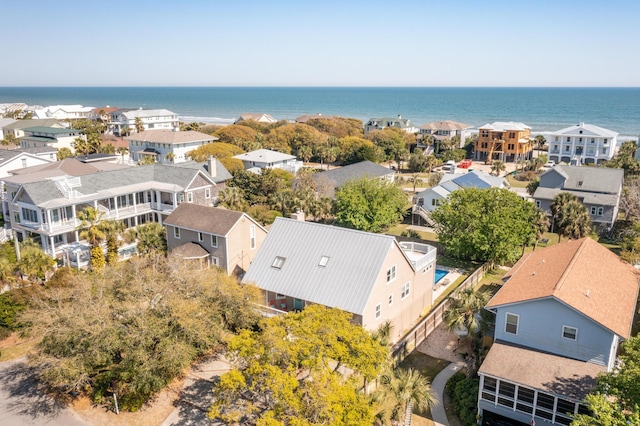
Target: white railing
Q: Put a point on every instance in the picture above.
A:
(429, 253)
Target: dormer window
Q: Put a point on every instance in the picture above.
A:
(278, 262)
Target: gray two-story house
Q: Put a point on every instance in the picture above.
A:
(598, 188)
(560, 318)
(46, 210)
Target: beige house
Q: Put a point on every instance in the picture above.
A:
(214, 237)
(260, 118)
(372, 276)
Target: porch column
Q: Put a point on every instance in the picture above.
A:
(73, 212)
(53, 246)
(158, 200)
(48, 213)
(135, 203)
(174, 197)
(115, 205)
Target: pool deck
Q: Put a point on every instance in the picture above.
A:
(446, 282)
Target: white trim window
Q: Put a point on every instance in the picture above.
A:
(391, 274)
(378, 310)
(214, 241)
(176, 232)
(207, 193)
(511, 323)
(200, 237)
(570, 333)
(189, 197)
(391, 299)
(215, 261)
(252, 237)
(406, 289)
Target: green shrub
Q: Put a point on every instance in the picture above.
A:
(464, 396)
(11, 304)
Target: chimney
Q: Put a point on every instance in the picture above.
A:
(399, 117)
(298, 215)
(212, 165)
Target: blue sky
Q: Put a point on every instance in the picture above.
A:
(320, 43)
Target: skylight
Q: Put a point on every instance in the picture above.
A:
(323, 261)
(278, 262)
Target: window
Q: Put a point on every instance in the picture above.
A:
(252, 237)
(278, 262)
(215, 261)
(24, 162)
(378, 310)
(568, 139)
(391, 299)
(604, 150)
(538, 203)
(556, 139)
(606, 141)
(323, 261)
(176, 232)
(406, 288)
(207, 193)
(489, 389)
(511, 146)
(189, 197)
(569, 332)
(512, 135)
(214, 241)
(511, 325)
(593, 211)
(200, 237)
(29, 215)
(600, 211)
(391, 274)
(566, 148)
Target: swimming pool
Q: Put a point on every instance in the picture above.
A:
(440, 273)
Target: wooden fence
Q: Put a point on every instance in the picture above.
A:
(426, 326)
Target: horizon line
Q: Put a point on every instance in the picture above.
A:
(318, 87)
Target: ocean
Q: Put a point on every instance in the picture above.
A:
(543, 109)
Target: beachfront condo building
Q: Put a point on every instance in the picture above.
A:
(506, 141)
(582, 144)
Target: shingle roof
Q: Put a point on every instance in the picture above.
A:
(580, 273)
(170, 136)
(586, 197)
(222, 174)
(446, 125)
(353, 171)
(190, 251)
(113, 182)
(23, 124)
(210, 220)
(346, 282)
(49, 130)
(538, 370)
(505, 126)
(596, 179)
(584, 129)
(264, 156)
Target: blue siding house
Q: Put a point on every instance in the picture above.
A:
(560, 318)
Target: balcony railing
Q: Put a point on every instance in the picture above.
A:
(419, 254)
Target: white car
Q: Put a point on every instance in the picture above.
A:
(549, 164)
(449, 165)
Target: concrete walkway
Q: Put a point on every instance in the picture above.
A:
(437, 386)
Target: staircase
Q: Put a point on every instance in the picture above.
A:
(424, 214)
(408, 414)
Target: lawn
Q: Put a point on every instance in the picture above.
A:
(14, 347)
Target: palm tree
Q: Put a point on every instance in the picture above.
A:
(122, 150)
(463, 309)
(34, 263)
(415, 180)
(558, 207)
(541, 225)
(305, 153)
(540, 141)
(170, 156)
(497, 167)
(152, 238)
(402, 391)
(90, 230)
(112, 230)
(139, 125)
(575, 221)
(232, 198)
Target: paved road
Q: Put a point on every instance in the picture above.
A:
(23, 401)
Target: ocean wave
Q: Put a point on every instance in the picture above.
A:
(212, 120)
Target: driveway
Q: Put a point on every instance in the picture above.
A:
(23, 400)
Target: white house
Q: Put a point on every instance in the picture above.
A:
(167, 146)
(41, 136)
(582, 144)
(447, 129)
(124, 121)
(260, 118)
(267, 159)
(63, 112)
(397, 122)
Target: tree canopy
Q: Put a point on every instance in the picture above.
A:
(303, 368)
(616, 398)
(132, 328)
(370, 204)
(488, 225)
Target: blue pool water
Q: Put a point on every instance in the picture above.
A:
(440, 273)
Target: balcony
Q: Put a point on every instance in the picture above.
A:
(420, 255)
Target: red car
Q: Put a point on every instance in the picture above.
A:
(465, 164)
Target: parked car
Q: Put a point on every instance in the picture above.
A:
(465, 164)
(449, 165)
